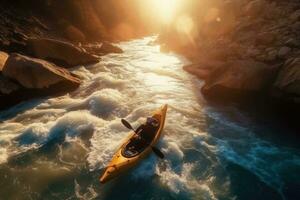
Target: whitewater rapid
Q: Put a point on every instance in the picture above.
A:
(65, 142)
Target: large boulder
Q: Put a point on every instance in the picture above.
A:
(203, 69)
(59, 52)
(3, 58)
(239, 79)
(35, 73)
(287, 84)
(103, 48)
(295, 16)
(9, 92)
(7, 86)
(74, 34)
(254, 8)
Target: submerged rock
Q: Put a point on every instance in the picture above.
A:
(238, 79)
(36, 73)
(59, 52)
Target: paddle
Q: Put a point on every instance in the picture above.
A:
(156, 151)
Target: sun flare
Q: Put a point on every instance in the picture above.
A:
(165, 10)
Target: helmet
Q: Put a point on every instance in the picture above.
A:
(152, 121)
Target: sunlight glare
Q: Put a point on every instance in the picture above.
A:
(164, 9)
(185, 24)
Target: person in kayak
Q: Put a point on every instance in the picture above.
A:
(144, 134)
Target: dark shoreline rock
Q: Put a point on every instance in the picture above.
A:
(59, 52)
(24, 78)
(239, 79)
(102, 49)
(33, 73)
(270, 38)
(23, 94)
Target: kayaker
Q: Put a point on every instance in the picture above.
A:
(145, 134)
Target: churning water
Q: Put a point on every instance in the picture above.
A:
(56, 148)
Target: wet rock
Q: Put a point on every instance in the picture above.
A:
(74, 34)
(239, 79)
(287, 84)
(295, 16)
(254, 8)
(7, 86)
(102, 49)
(271, 56)
(296, 27)
(36, 73)
(283, 52)
(3, 58)
(292, 42)
(203, 69)
(265, 38)
(59, 52)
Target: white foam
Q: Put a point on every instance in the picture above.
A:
(90, 194)
(104, 102)
(184, 182)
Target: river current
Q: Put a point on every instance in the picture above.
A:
(56, 148)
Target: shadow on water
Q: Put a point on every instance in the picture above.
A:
(137, 188)
(245, 185)
(20, 108)
(260, 160)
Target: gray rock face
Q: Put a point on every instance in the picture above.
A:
(255, 7)
(295, 16)
(61, 53)
(283, 52)
(288, 81)
(35, 73)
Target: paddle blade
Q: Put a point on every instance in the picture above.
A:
(126, 124)
(158, 152)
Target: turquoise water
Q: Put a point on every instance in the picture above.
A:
(56, 148)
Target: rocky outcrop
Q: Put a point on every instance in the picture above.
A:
(59, 52)
(239, 79)
(7, 86)
(25, 78)
(3, 58)
(203, 69)
(287, 84)
(103, 48)
(34, 73)
(262, 34)
(74, 34)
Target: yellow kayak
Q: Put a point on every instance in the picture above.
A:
(134, 150)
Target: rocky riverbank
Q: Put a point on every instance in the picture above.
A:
(37, 48)
(245, 50)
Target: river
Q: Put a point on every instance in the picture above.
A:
(56, 148)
